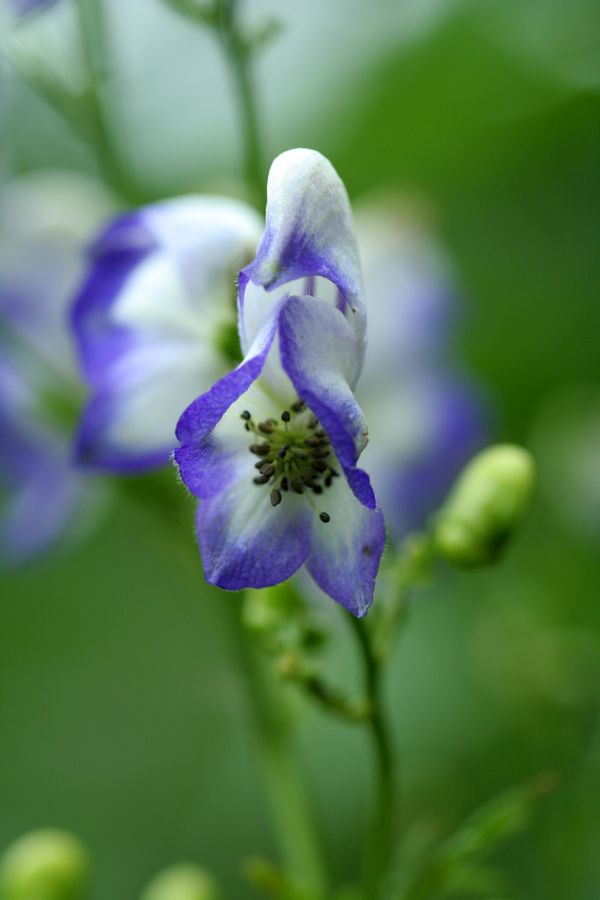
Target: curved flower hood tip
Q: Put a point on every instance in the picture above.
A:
(309, 233)
(271, 449)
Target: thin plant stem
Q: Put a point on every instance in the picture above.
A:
(381, 835)
(240, 64)
(93, 37)
(288, 800)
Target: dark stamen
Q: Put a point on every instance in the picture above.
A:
(324, 517)
(260, 449)
(294, 454)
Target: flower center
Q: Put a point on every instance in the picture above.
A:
(294, 453)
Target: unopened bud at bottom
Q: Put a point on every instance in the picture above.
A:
(182, 882)
(44, 865)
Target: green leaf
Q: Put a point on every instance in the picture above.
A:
(455, 864)
(261, 36)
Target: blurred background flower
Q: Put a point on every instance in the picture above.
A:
(155, 323)
(44, 220)
(426, 415)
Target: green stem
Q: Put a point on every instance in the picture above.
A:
(239, 58)
(381, 837)
(287, 796)
(92, 32)
(290, 807)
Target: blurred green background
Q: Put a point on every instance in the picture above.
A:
(123, 712)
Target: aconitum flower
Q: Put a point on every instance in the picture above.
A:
(426, 417)
(271, 449)
(42, 496)
(155, 323)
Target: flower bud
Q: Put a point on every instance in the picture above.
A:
(44, 865)
(485, 505)
(182, 882)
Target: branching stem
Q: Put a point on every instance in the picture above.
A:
(239, 57)
(381, 835)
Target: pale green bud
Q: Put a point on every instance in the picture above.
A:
(182, 882)
(485, 505)
(44, 865)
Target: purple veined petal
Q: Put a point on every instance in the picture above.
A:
(309, 234)
(318, 353)
(346, 552)
(246, 538)
(209, 429)
(205, 412)
(148, 320)
(246, 542)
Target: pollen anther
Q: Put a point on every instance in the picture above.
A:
(294, 457)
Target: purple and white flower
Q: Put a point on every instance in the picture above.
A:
(272, 449)
(42, 496)
(155, 322)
